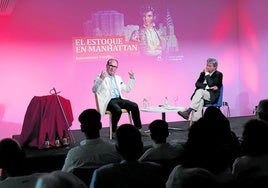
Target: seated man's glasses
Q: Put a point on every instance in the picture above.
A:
(112, 66)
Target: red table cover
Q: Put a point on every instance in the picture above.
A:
(45, 115)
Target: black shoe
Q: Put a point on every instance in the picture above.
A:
(184, 114)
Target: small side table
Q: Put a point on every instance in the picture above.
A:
(163, 110)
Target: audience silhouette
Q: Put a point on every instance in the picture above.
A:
(162, 152)
(182, 177)
(129, 173)
(254, 149)
(211, 145)
(262, 110)
(59, 179)
(161, 149)
(12, 162)
(12, 158)
(93, 151)
(223, 131)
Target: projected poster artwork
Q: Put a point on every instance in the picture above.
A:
(107, 33)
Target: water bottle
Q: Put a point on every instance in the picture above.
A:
(46, 143)
(176, 101)
(57, 140)
(65, 140)
(166, 102)
(145, 103)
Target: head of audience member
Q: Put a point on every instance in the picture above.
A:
(129, 143)
(207, 148)
(12, 157)
(196, 177)
(159, 131)
(221, 125)
(214, 116)
(262, 110)
(59, 179)
(90, 120)
(255, 139)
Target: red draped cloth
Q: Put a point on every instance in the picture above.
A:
(45, 115)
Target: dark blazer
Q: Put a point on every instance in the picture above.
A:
(214, 80)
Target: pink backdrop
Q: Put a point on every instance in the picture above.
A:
(36, 55)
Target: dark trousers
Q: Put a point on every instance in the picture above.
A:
(115, 106)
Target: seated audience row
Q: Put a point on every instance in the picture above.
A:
(212, 156)
(212, 146)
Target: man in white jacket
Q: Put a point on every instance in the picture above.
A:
(108, 86)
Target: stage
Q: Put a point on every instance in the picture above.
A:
(45, 160)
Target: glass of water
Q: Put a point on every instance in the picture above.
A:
(175, 101)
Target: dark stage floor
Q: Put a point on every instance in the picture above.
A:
(52, 159)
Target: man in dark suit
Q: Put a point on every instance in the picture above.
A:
(207, 90)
